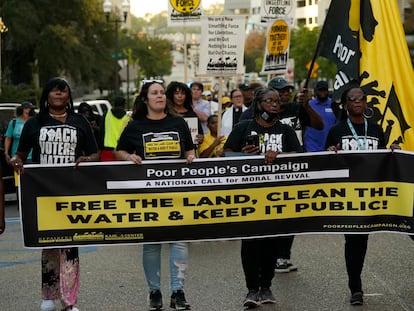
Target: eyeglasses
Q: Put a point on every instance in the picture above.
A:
(352, 98)
(270, 101)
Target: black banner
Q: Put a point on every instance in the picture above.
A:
(225, 198)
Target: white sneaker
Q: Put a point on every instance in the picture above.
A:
(47, 305)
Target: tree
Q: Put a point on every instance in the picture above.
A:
(302, 49)
(254, 49)
(72, 40)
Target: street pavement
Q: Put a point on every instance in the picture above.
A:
(112, 277)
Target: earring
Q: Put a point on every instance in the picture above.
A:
(368, 113)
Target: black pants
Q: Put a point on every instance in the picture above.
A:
(284, 245)
(258, 259)
(355, 250)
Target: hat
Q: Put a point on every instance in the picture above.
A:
(207, 93)
(25, 105)
(225, 100)
(279, 84)
(322, 85)
(119, 101)
(244, 87)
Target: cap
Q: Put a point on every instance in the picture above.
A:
(322, 85)
(244, 87)
(207, 93)
(25, 105)
(279, 84)
(225, 100)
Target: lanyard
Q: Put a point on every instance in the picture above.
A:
(356, 137)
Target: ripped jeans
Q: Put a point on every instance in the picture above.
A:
(151, 257)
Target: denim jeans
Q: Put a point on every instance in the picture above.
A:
(151, 257)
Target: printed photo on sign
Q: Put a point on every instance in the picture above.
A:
(184, 12)
(223, 46)
(162, 145)
(277, 47)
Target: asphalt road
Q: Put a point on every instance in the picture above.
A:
(112, 276)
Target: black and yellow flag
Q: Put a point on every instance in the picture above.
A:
(365, 39)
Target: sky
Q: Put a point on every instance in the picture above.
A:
(138, 8)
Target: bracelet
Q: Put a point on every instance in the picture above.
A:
(128, 157)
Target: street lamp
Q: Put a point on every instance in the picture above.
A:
(3, 28)
(107, 8)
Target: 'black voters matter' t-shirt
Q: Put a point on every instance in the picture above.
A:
(54, 142)
(279, 137)
(156, 139)
(341, 134)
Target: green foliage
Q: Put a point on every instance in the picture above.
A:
(302, 49)
(254, 49)
(48, 38)
(19, 93)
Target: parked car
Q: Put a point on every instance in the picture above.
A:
(7, 112)
(99, 106)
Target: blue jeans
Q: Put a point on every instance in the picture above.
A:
(151, 257)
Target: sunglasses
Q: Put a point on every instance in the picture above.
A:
(352, 98)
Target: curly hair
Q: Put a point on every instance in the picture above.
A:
(178, 86)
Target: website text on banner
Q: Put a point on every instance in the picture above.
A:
(225, 198)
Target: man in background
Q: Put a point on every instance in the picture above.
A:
(114, 122)
(314, 139)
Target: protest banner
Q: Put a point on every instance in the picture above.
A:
(277, 9)
(184, 13)
(225, 198)
(276, 55)
(222, 47)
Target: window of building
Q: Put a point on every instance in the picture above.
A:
(301, 3)
(301, 22)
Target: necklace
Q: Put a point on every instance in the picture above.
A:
(356, 137)
(58, 115)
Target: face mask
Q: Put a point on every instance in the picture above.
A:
(269, 116)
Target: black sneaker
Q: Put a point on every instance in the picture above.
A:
(155, 300)
(281, 266)
(266, 295)
(252, 299)
(357, 299)
(178, 301)
(291, 265)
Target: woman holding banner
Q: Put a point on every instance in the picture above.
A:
(153, 126)
(266, 135)
(355, 132)
(51, 127)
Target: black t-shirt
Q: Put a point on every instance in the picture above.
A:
(280, 137)
(156, 139)
(341, 134)
(54, 142)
